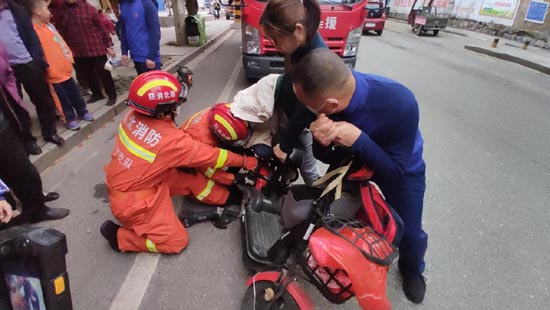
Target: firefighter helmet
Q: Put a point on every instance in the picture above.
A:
(155, 93)
(229, 129)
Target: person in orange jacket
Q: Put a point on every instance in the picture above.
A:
(216, 126)
(143, 172)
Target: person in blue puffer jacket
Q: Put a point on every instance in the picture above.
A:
(139, 30)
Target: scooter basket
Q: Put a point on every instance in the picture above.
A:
(371, 244)
(334, 284)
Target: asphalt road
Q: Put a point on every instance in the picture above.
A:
(486, 146)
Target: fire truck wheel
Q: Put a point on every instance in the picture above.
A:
(379, 32)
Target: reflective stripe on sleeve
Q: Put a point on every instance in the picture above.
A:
(206, 191)
(222, 158)
(209, 172)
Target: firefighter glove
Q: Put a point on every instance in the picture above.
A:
(250, 162)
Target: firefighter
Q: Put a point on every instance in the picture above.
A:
(143, 174)
(212, 126)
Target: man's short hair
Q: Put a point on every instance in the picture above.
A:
(319, 71)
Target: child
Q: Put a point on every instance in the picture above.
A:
(257, 106)
(60, 60)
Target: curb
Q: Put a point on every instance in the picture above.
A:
(507, 57)
(51, 153)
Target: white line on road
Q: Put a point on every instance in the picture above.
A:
(135, 285)
(224, 97)
(133, 289)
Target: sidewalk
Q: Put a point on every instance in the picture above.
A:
(171, 57)
(533, 57)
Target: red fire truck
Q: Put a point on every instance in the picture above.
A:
(341, 27)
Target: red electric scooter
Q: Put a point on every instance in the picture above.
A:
(321, 236)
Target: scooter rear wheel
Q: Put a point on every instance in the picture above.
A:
(255, 298)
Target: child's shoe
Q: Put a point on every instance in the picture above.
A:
(73, 125)
(87, 117)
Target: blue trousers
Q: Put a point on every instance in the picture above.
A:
(142, 68)
(407, 198)
(71, 99)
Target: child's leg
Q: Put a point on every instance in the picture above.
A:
(64, 96)
(76, 97)
(309, 170)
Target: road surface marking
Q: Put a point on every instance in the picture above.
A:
(224, 97)
(134, 287)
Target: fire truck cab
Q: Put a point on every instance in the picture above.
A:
(341, 27)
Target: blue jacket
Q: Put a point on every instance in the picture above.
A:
(26, 31)
(387, 114)
(139, 30)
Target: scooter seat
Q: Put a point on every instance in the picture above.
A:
(262, 231)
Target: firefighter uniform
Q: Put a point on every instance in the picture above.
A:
(142, 176)
(197, 127)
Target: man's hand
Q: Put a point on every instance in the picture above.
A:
(279, 153)
(111, 52)
(150, 64)
(125, 60)
(347, 133)
(324, 130)
(5, 212)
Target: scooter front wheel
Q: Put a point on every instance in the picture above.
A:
(260, 295)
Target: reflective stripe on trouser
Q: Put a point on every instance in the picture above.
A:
(150, 224)
(197, 185)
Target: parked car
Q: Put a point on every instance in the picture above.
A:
(375, 18)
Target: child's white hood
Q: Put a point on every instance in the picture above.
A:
(255, 103)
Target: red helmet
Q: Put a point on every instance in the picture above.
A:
(154, 93)
(229, 129)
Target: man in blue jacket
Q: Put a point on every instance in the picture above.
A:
(377, 119)
(139, 31)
